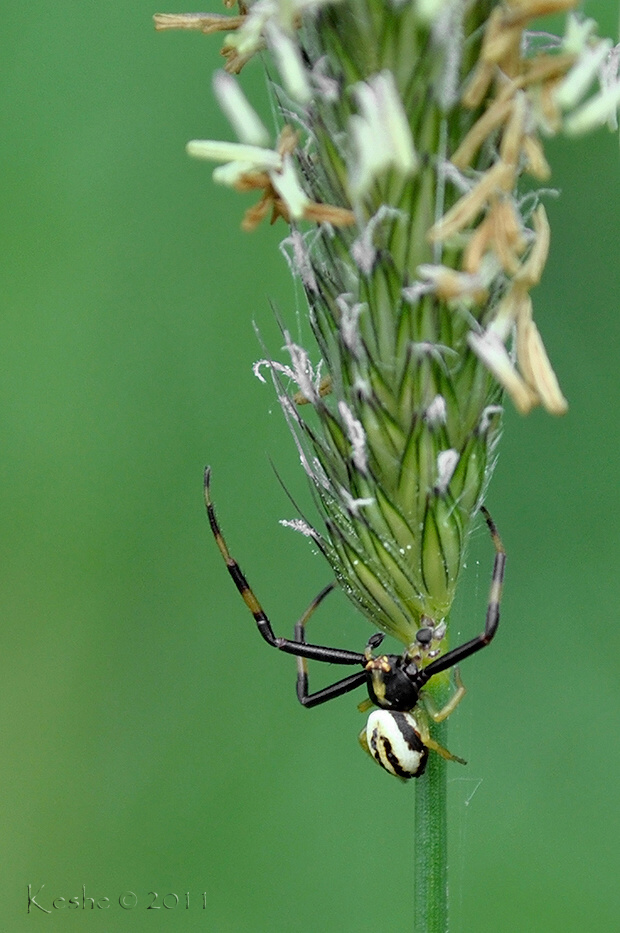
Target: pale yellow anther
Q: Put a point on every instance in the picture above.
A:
(534, 362)
(501, 233)
(508, 241)
(512, 139)
(491, 350)
(521, 11)
(477, 247)
(329, 214)
(546, 381)
(203, 22)
(543, 68)
(234, 59)
(497, 180)
(549, 107)
(531, 270)
(507, 312)
(500, 47)
(536, 164)
(501, 38)
(452, 285)
(478, 85)
(480, 131)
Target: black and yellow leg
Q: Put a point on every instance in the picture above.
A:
(430, 742)
(334, 690)
(300, 649)
(438, 715)
(492, 617)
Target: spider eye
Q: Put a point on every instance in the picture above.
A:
(375, 640)
(424, 636)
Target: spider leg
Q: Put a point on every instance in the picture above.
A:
(334, 690)
(431, 743)
(300, 649)
(300, 636)
(492, 618)
(300, 626)
(438, 715)
(327, 693)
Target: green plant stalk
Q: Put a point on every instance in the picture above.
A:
(431, 837)
(431, 851)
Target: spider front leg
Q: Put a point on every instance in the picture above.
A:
(456, 655)
(300, 649)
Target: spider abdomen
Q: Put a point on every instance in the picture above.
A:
(394, 742)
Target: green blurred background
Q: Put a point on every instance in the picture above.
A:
(150, 740)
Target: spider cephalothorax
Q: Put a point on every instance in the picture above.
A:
(392, 682)
(397, 734)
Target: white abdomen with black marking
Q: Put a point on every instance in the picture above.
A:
(394, 742)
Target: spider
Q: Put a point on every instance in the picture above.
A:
(397, 733)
